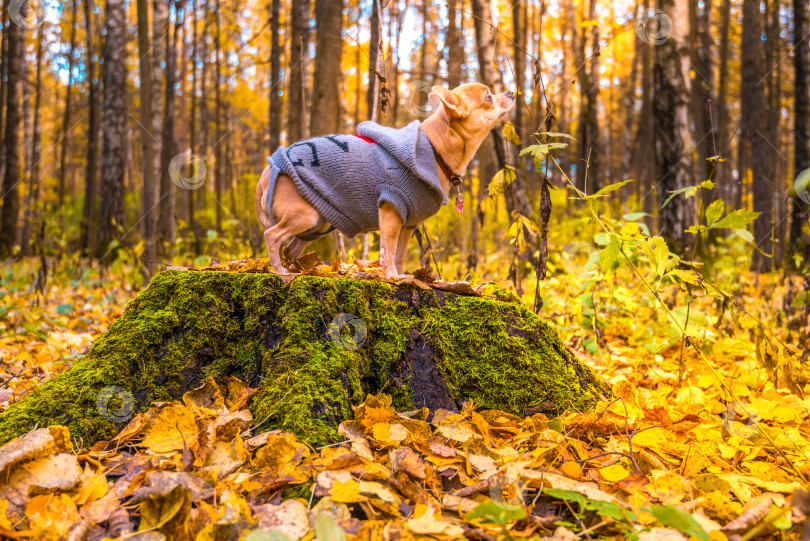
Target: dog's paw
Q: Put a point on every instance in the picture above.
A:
(393, 275)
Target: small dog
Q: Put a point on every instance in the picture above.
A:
(380, 179)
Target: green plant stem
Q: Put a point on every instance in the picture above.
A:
(681, 328)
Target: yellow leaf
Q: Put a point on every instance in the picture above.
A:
(427, 523)
(346, 492)
(166, 432)
(614, 472)
(52, 512)
(380, 431)
(510, 133)
(571, 469)
(93, 488)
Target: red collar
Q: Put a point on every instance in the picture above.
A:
(454, 179)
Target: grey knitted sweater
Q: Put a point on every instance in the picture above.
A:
(347, 177)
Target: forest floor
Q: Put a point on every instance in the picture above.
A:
(698, 442)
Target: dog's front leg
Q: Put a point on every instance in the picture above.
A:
(390, 227)
(402, 247)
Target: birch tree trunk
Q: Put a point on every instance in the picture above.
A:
(672, 137)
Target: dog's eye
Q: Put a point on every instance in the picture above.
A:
(488, 97)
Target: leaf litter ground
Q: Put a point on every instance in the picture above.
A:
(668, 457)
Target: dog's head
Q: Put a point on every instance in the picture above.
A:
(472, 109)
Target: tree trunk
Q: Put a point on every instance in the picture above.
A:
(192, 194)
(325, 117)
(299, 45)
(373, 94)
(147, 143)
(160, 78)
(28, 132)
(703, 89)
(423, 47)
(68, 109)
(775, 165)
(274, 124)
(455, 47)
(801, 119)
(3, 95)
(671, 104)
(587, 166)
(11, 141)
(32, 209)
(754, 116)
(645, 148)
(519, 45)
(516, 198)
(168, 219)
(114, 126)
(93, 125)
(313, 348)
(724, 178)
(218, 160)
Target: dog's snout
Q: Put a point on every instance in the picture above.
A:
(510, 93)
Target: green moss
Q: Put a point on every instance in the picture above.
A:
(503, 356)
(277, 338)
(159, 348)
(315, 375)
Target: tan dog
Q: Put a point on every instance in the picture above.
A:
(455, 130)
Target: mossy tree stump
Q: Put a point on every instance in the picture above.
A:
(312, 348)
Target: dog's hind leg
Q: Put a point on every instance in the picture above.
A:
(295, 248)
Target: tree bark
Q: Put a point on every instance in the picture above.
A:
(519, 46)
(147, 144)
(515, 195)
(801, 119)
(703, 90)
(114, 127)
(754, 124)
(93, 127)
(192, 194)
(160, 79)
(313, 348)
(274, 124)
(588, 162)
(724, 179)
(373, 94)
(218, 160)
(11, 141)
(455, 47)
(645, 148)
(167, 216)
(3, 95)
(68, 109)
(36, 150)
(299, 45)
(325, 117)
(28, 131)
(671, 104)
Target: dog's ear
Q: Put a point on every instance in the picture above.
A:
(455, 107)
